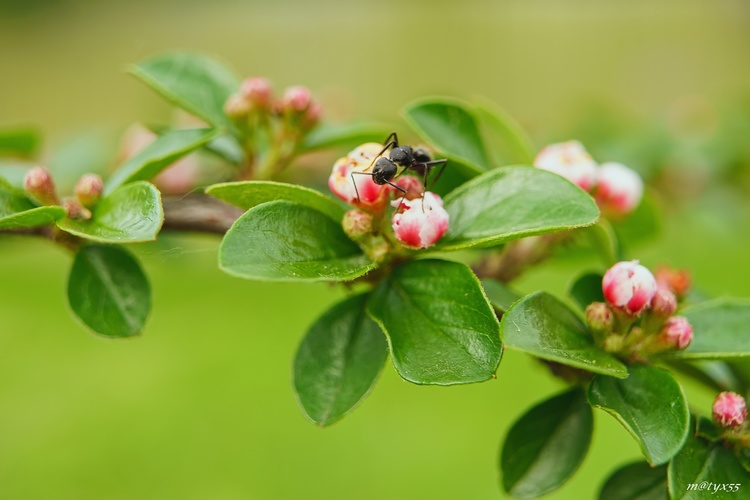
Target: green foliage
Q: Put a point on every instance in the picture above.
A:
(587, 288)
(18, 212)
(701, 461)
(722, 329)
(340, 136)
(636, 481)
(499, 294)
(19, 141)
(506, 140)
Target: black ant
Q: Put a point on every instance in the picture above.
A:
(385, 169)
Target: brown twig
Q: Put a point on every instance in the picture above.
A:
(198, 212)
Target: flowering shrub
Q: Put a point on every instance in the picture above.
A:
(442, 316)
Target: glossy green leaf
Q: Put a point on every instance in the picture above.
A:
(542, 326)
(225, 146)
(108, 291)
(546, 445)
(160, 154)
(702, 469)
(650, 404)
(338, 136)
(721, 330)
(505, 134)
(130, 214)
(450, 126)
(194, 82)
(284, 241)
(440, 327)
(587, 288)
(23, 142)
(248, 194)
(454, 175)
(500, 295)
(718, 375)
(339, 361)
(17, 211)
(514, 202)
(707, 429)
(637, 481)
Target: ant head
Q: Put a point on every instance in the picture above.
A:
(401, 155)
(383, 171)
(421, 155)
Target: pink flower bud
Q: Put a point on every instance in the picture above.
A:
(677, 281)
(600, 317)
(257, 90)
(372, 197)
(89, 190)
(357, 224)
(664, 303)
(412, 185)
(629, 285)
(312, 115)
(420, 222)
(729, 409)
(74, 210)
(676, 333)
(296, 99)
(39, 185)
(237, 107)
(619, 188)
(570, 160)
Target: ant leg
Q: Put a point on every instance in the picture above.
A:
(400, 189)
(355, 183)
(432, 164)
(387, 144)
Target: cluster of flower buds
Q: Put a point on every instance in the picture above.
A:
(637, 320)
(418, 221)
(618, 189)
(40, 187)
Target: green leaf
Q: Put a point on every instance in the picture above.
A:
(130, 214)
(89, 151)
(440, 327)
(226, 147)
(23, 142)
(701, 462)
(338, 136)
(248, 194)
(546, 445)
(717, 375)
(514, 202)
(506, 134)
(542, 326)
(161, 153)
(450, 126)
(587, 288)
(499, 294)
(108, 291)
(17, 211)
(603, 240)
(339, 361)
(707, 429)
(721, 330)
(194, 82)
(284, 241)
(650, 404)
(636, 481)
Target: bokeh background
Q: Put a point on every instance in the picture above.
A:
(201, 406)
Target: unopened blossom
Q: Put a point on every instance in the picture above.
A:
(357, 224)
(664, 303)
(297, 98)
(677, 281)
(676, 333)
(367, 195)
(89, 190)
(630, 286)
(619, 188)
(729, 409)
(412, 185)
(421, 222)
(237, 107)
(570, 160)
(39, 185)
(257, 90)
(599, 317)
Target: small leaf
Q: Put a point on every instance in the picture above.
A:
(514, 202)
(650, 404)
(248, 194)
(23, 142)
(499, 294)
(194, 82)
(721, 330)
(546, 445)
(130, 214)
(18, 212)
(506, 134)
(542, 326)
(587, 288)
(440, 327)
(339, 361)
(226, 147)
(703, 469)
(160, 154)
(108, 291)
(338, 136)
(450, 126)
(636, 481)
(707, 429)
(284, 241)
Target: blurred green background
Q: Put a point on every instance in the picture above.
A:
(201, 406)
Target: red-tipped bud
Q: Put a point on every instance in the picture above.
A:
(413, 186)
(619, 189)
(600, 317)
(74, 210)
(89, 190)
(630, 286)
(257, 91)
(570, 160)
(357, 224)
(729, 409)
(296, 99)
(664, 303)
(39, 185)
(421, 222)
(367, 195)
(237, 107)
(676, 333)
(312, 115)
(677, 281)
